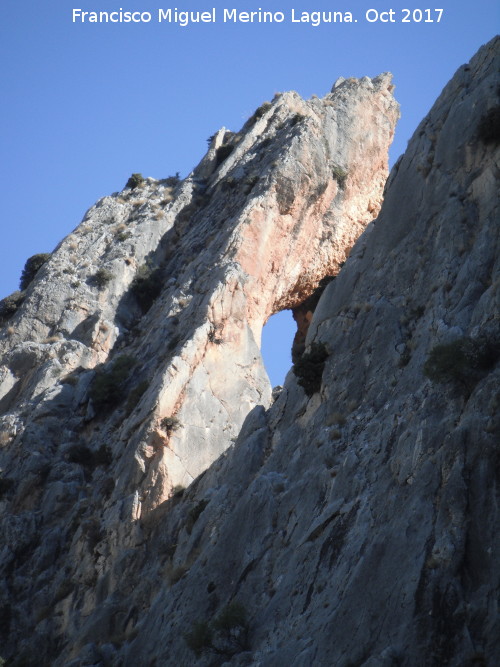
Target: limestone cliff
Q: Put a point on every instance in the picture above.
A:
(351, 522)
(267, 213)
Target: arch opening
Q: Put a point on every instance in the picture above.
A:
(276, 347)
(284, 335)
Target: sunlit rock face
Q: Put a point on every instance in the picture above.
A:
(351, 522)
(267, 213)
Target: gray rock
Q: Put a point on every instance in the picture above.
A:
(354, 524)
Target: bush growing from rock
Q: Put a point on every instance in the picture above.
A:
(101, 278)
(309, 368)
(146, 286)
(213, 335)
(232, 615)
(5, 485)
(170, 424)
(194, 514)
(226, 636)
(489, 127)
(231, 629)
(134, 181)
(135, 395)
(80, 454)
(222, 153)
(32, 266)
(461, 361)
(103, 456)
(109, 386)
(122, 236)
(259, 112)
(199, 639)
(296, 118)
(340, 175)
(172, 181)
(106, 487)
(10, 304)
(83, 455)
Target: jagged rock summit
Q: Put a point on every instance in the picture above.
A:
(353, 522)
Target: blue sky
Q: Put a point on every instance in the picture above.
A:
(85, 105)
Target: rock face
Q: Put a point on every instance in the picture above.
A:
(353, 522)
(267, 213)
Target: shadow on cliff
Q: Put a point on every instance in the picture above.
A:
(245, 457)
(172, 535)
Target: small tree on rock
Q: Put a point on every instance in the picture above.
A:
(33, 264)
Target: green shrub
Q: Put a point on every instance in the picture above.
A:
(194, 514)
(297, 118)
(109, 386)
(93, 532)
(231, 629)
(105, 487)
(309, 368)
(83, 455)
(199, 639)
(213, 335)
(146, 286)
(6, 484)
(10, 304)
(222, 153)
(80, 454)
(489, 127)
(103, 456)
(173, 342)
(170, 424)
(225, 636)
(71, 379)
(229, 183)
(101, 278)
(135, 395)
(259, 112)
(462, 361)
(134, 181)
(172, 181)
(249, 182)
(32, 266)
(65, 588)
(340, 175)
(233, 615)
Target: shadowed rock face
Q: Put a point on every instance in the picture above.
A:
(354, 526)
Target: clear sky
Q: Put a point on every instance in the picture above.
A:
(84, 105)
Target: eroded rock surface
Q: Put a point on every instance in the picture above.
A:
(351, 525)
(133, 360)
(267, 213)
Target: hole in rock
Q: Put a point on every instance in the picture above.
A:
(277, 339)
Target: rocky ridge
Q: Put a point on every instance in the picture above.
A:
(268, 212)
(353, 521)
